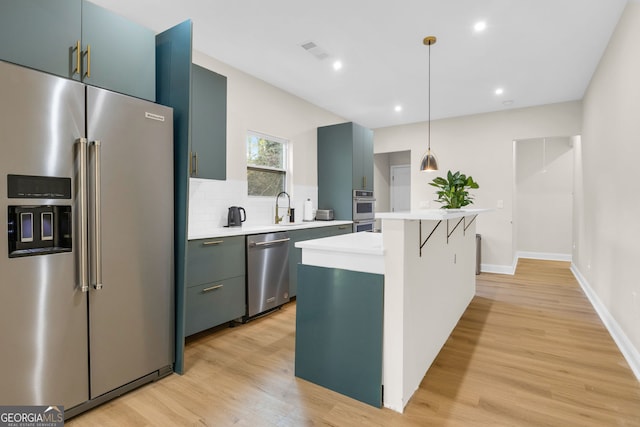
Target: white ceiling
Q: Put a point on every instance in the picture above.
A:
(539, 51)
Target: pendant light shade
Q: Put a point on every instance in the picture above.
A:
(429, 161)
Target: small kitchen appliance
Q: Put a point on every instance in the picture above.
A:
(234, 218)
(324, 215)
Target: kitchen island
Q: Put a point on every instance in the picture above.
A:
(391, 301)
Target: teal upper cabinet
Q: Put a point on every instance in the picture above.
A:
(119, 55)
(42, 34)
(362, 158)
(345, 163)
(77, 39)
(208, 124)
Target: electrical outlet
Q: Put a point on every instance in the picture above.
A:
(500, 204)
(424, 204)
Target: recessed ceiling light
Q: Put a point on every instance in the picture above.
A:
(499, 91)
(480, 26)
(337, 65)
(398, 108)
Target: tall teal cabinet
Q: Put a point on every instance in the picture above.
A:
(80, 40)
(176, 84)
(345, 163)
(173, 55)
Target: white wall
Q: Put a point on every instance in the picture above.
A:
(608, 247)
(481, 146)
(544, 198)
(255, 105)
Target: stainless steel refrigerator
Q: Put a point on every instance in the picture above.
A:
(86, 262)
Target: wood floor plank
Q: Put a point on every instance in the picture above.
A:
(528, 351)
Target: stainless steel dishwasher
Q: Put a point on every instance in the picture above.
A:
(267, 272)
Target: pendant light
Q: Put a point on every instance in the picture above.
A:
(429, 161)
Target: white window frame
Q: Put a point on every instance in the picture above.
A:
(286, 161)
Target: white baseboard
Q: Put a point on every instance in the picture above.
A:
(544, 256)
(629, 351)
(497, 268)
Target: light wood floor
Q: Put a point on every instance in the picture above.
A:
(529, 351)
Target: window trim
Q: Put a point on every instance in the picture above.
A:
(285, 159)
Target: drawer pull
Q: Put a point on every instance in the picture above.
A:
(212, 288)
(212, 242)
(342, 227)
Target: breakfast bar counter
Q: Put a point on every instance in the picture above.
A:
(374, 309)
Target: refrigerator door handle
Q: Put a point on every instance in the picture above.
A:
(96, 208)
(83, 273)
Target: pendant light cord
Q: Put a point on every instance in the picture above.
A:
(429, 103)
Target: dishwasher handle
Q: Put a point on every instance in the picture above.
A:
(271, 242)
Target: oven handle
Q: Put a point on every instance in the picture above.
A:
(364, 199)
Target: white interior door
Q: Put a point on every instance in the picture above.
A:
(400, 188)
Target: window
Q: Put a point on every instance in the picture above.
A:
(266, 165)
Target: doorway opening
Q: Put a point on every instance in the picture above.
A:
(543, 198)
(392, 181)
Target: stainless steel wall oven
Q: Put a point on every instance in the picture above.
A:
(364, 208)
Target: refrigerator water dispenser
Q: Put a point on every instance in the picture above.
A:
(39, 230)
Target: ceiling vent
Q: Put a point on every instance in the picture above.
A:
(316, 51)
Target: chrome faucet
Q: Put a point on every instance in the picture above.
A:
(279, 218)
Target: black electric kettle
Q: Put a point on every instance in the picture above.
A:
(234, 219)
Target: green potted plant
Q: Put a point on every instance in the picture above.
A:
(452, 191)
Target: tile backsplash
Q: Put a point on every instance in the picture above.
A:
(209, 201)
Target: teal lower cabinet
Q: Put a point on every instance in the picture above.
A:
(295, 254)
(339, 324)
(215, 286)
(213, 304)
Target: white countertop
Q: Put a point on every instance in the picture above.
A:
(430, 214)
(360, 243)
(258, 229)
(355, 251)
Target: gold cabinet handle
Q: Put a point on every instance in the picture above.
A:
(193, 163)
(212, 288)
(364, 181)
(195, 171)
(88, 73)
(212, 242)
(342, 227)
(76, 70)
